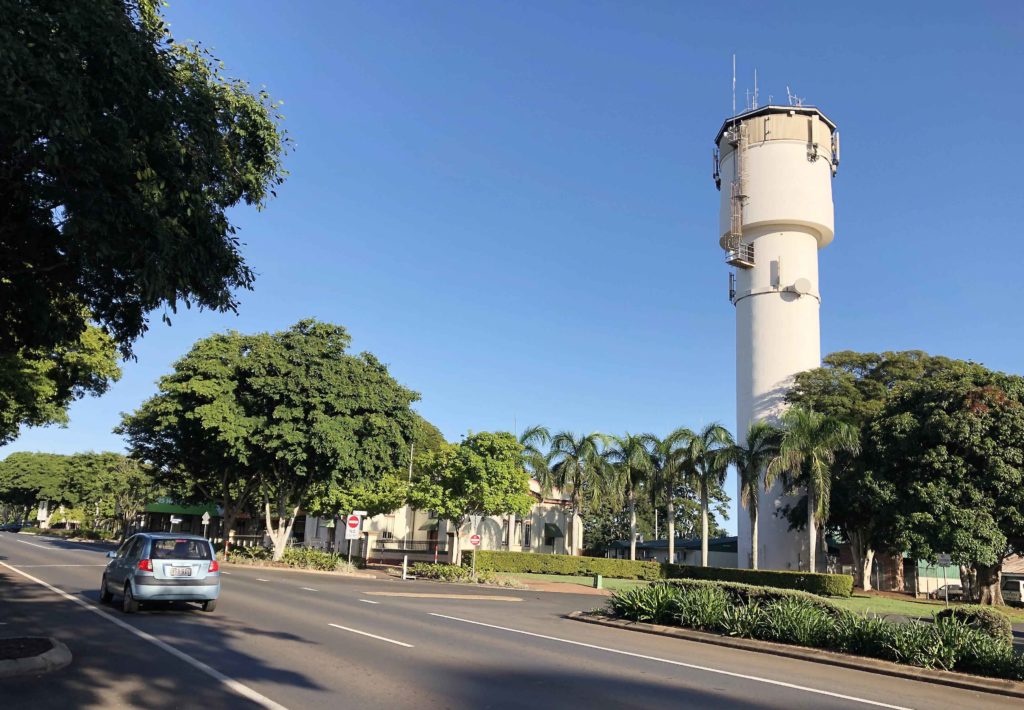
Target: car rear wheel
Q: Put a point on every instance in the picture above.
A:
(210, 605)
(129, 605)
(105, 595)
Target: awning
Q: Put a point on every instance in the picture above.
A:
(429, 525)
(552, 530)
(175, 509)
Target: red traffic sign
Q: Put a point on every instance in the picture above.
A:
(474, 540)
(352, 521)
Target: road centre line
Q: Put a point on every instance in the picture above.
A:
(262, 580)
(707, 669)
(243, 690)
(368, 601)
(309, 589)
(373, 636)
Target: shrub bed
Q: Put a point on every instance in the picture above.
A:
(829, 585)
(79, 534)
(294, 557)
(950, 643)
(982, 618)
(529, 562)
(455, 573)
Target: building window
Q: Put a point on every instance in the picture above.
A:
(387, 535)
(432, 514)
(527, 534)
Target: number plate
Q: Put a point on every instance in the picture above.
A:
(180, 571)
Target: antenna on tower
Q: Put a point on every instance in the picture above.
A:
(794, 100)
(734, 83)
(755, 88)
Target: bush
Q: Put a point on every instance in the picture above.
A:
(793, 617)
(829, 585)
(64, 533)
(530, 562)
(308, 558)
(442, 572)
(982, 618)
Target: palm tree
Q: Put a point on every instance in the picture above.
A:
(751, 459)
(706, 459)
(576, 466)
(536, 460)
(630, 461)
(807, 449)
(667, 473)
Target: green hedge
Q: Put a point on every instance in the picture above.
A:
(784, 617)
(994, 623)
(79, 534)
(523, 562)
(739, 594)
(829, 585)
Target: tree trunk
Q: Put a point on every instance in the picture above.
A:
(753, 536)
(670, 511)
(967, 581)
(632, 526)
(989, 577)
(812, 530)
(703, 526)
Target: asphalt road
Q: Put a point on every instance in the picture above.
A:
(302, 640)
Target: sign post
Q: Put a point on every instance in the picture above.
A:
(945, 560)
(474, 540)
(174, 521)
(206, 521)
(352, 525)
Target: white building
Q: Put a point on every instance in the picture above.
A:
(422, 536)
(774, 168)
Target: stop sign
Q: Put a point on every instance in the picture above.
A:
(352, 521)
(474, 540)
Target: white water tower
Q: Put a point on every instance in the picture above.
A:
(774, 167)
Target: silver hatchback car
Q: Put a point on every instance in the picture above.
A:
(162, 567)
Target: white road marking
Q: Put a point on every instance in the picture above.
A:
(223, 572)
(262, 580)
(243, 690)
(27, 566)
(373, 636)
(44, 547)
(310, 589)
(368, 601)
(758, 679)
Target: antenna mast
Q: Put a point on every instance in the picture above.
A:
(734, 84)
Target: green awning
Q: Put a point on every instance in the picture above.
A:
(429, 525)
(552, 530)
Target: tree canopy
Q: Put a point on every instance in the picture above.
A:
(122, 152)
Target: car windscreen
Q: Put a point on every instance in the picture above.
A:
(181, 549)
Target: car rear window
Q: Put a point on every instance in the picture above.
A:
(180, 550)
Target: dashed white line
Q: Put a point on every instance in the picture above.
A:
(243, 690)
(758, 679)
(373, 636)
(309, 589)
(262, 580)
(368, 601)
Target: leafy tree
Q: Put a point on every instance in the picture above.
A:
(854, 387)
(122, 152)
(577, 468)
(37, 385)
(631, 469)
(706, 457)
(669, 476)
(955, 444)
(289, 415)
(806, 454)
(751, 459)
(483, 475)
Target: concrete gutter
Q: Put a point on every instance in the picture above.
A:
(964, 681)
(54, 659)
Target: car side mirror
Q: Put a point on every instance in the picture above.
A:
(112, 554)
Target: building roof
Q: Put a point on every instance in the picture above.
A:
(774, 108)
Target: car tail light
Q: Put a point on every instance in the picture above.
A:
(215, 566)
(146, 565)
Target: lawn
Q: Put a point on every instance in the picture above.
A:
(579, 580)
(872, 604)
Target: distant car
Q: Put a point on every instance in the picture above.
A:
(1013, 591)
(162, 567)
(11, 527)
(955, 592)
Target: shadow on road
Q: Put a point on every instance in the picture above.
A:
(113, 667)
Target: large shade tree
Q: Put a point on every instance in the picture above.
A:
(807, 451)
(706, 457)
(285, 416)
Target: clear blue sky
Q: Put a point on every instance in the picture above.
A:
(512, 205)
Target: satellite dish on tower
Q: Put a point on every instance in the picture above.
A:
(802, 286)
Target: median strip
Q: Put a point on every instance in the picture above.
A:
(373, 636)
(668, 661)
